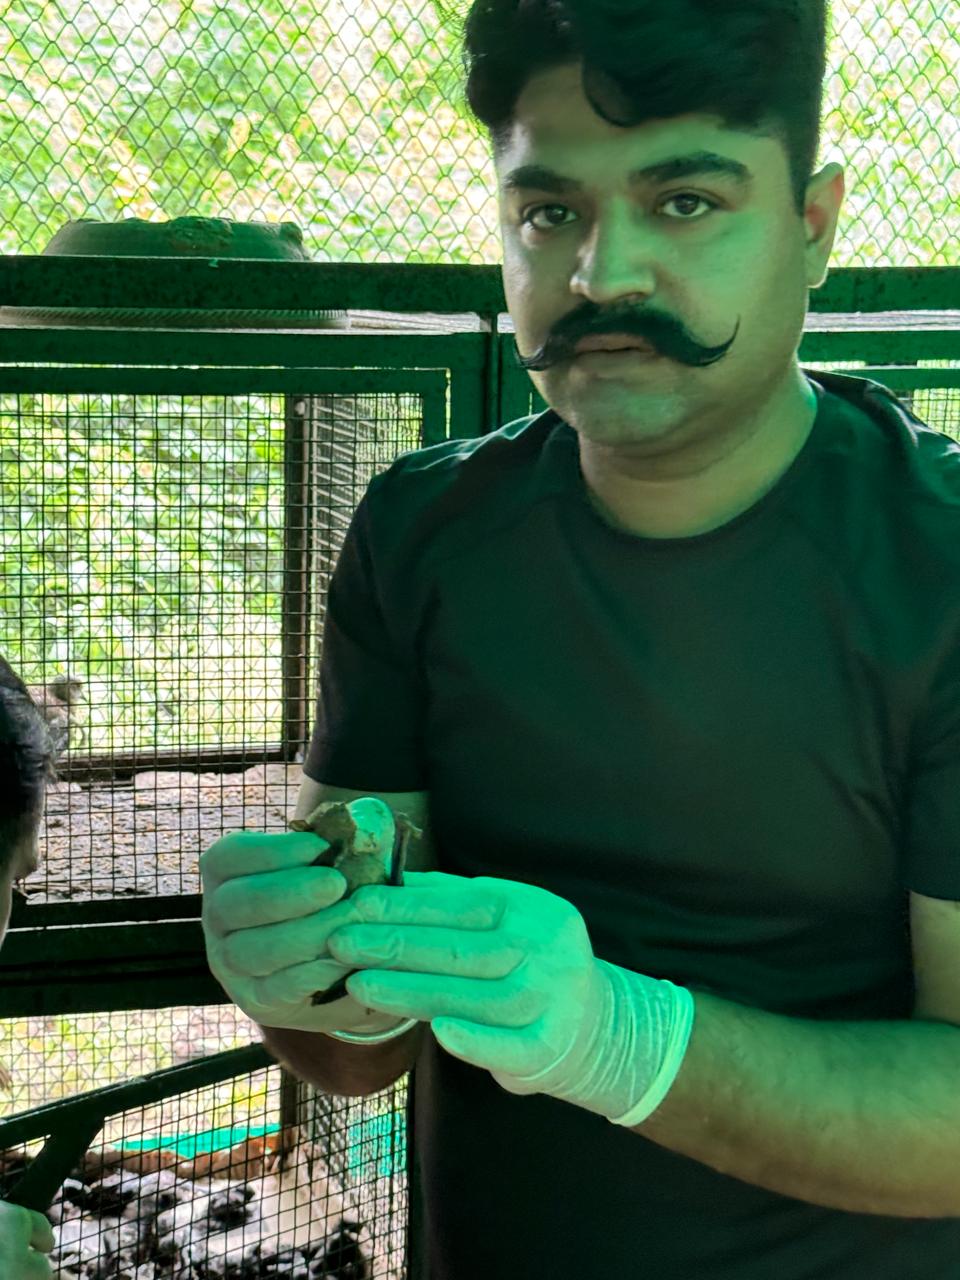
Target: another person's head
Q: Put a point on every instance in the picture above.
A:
(596, 89)
(26, 765)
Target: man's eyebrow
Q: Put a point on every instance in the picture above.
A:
(535, 177)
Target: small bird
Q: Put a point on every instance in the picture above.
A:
(360, 839)
(57, 701)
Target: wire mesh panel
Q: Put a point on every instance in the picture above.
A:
(170, 556)
(178, 548)
(205, 1183)
(189, 584)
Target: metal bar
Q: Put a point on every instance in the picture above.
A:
(410, 375)
(76, 993)
(38, 280)
(295, 595)
(62, 1152)
(122, 766)
(54, 949)
(416, 1268)
(28, 915)
(466, 364)
(193, 283)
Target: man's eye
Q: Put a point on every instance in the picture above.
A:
(526, 218)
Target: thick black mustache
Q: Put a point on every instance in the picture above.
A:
(672, 343)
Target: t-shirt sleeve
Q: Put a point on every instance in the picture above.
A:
(367, 734)
(932, 830)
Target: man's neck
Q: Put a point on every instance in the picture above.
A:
(745, 482)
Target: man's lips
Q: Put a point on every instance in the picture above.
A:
(612, 342)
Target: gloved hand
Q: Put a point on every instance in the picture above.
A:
(26, 1237)
(266, 917)
(505, 974)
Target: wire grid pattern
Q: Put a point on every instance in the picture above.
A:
(208, 1183)
(349, 119)
(150, 539)
(148, 544)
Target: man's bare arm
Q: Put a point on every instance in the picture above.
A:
(859, 1116)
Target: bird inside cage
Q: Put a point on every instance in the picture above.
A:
(57, 701)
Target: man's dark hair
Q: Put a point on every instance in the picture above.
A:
(26, 763)
(758, 65)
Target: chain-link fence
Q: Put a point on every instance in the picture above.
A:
(347, 118)
(165, 554)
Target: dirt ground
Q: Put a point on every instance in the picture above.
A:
(145, 837)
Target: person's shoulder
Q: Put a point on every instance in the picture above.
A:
(892, 415)
(880, 429)
(522, 436)
(449, 499)
(491, 477)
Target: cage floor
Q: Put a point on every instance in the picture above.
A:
(145, 837)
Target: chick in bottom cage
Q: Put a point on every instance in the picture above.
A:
(125, 1215)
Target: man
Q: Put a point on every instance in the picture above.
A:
(675, 668)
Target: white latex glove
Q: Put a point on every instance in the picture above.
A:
(505, 974)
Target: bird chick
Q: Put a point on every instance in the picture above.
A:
(367, 844)
(360, 839)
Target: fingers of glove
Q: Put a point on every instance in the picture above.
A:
(33, 1266)
(271, 897)
(270, 948)
(287, 995)
(41, 1232)
(509, 1002)
(276, 993)
(251, 853)
(284, 1000)
(25, 1238)
(428, 950)
(22, 1228)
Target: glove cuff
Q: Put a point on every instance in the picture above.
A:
(627, 1061)
(661, 1022)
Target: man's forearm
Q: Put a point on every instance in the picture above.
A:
(340, 1069)
(859, 1116)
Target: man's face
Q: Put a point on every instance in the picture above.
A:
(654, 260)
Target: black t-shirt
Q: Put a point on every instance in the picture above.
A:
(735, 754)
